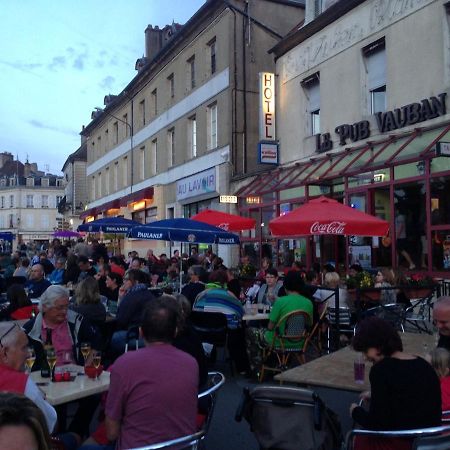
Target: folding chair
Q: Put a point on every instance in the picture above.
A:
(289, 335)
(289, 418)
(191, 441)
(398, 434)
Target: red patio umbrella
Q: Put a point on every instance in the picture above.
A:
(327, 216)
(229, 222)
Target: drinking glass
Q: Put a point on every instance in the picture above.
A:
(96, 360)
(31, 358)
(359, 369)
(51, 359)
(85, 350)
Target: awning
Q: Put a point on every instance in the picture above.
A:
(413, 146)
(118, 202)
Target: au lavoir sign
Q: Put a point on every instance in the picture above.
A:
(386, 121)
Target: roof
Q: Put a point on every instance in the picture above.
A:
(78, 155)
(330, 15)
(12, 168)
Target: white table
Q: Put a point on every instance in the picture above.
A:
(257, 316)
(58, 393)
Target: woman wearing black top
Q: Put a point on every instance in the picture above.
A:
(405, 390)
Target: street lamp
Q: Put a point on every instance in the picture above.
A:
(130, 129)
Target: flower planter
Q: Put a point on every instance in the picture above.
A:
(373, 296)
(418, 292)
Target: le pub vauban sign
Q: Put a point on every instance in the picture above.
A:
(386, 122)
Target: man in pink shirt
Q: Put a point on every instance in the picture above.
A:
(153, 391)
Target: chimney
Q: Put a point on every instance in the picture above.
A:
(153, 41)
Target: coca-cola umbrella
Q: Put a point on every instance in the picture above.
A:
(325, 216)
(228, 222)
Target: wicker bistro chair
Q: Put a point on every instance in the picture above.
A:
(191, 441)
(289, 333)
(415, 435)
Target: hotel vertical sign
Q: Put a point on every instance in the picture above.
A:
(268, 145)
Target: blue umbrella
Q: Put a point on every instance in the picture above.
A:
(7, 236)
(183, 230)
(109, 225)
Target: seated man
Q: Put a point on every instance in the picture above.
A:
(37, 284)
(57, 276)
(215, 298)
(86, 269)
(153, 392)
(257, 338)
(441, 317)
(129, 312)
(13, 354)
(195, 286)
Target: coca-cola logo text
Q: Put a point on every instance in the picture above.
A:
(328, 228)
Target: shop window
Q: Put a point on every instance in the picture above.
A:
(440, 199)
(267, 214)
(440, 247)
(139, 216)
(151, 215)
(440, 164)
(375, 62)
(311, 86)
(409, 170)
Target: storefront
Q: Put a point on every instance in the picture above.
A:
(403, 177)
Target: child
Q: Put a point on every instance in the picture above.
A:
(440, 360)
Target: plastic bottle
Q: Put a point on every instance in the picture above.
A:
(248, 306)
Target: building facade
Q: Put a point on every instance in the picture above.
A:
(171, 141)
(362, 116)
(75, 192)
(28, 206)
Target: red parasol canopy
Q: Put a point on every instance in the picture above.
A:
(229, 222)
(327, 216)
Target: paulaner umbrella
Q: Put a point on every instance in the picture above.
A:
(228, 222)
(325, 216)
(66, 234)
(109, 225)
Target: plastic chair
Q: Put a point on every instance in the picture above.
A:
(415, 433)
(191, 441)
(208, 397)
(289, 418)
(289, 333)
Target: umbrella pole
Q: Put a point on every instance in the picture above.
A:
(181, 267)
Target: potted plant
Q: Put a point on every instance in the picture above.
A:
(419, 286)
(362, 281)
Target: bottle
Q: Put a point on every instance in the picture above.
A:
(248, 306)
(45, 368)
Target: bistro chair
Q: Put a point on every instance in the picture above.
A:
(314, 338)
(393, 313)
(208, 397)
(346, 326)
(289, 418)
(400, 434)
(419, 314)
(289, 334)
(191, 441)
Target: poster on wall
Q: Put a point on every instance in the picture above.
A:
(360, 254)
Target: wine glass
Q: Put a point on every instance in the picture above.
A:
(96, 360)
(31, 358)
(51, 359)
(85, 350)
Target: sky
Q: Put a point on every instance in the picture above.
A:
(59, 58)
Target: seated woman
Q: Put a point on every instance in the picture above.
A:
(405, 391)
(88, 301)
(439, 358)
(266, 264)
(332, 281)
(257, 338)
(113, 283)
(385, 279)
(272, 289)
(20, 306)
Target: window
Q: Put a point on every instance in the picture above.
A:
(311, 86)
(375, 59)
(171, 146)
(30, 181)
(99, 145)
(115, 133)
(58, 199)
(125, 171)
(116, 176)
(107, 181)
(151, 214)
(154, 168)
(212, 55)
(44, 201)
(142, 112)
(155, 101)
(45, 222)
(142, 162)
(192, 136)
(171, 81)
(11, 201)
(11, 220)
(317, 7)
(99, 184)
(106, 139)
(125, 124)
(30, 203)
(191, 72)
(94, 194)
(212, 126)
(2, 202)
(45, 182)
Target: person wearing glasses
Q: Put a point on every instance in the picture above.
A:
(441, 319)
(272, 289)
(66, 330)
(13, 354)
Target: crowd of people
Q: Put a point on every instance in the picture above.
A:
(86, 296)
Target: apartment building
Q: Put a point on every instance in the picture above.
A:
(28, 200)
(171, 141)
(362, 117)
(75, 192)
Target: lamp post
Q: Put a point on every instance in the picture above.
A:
(130, 128)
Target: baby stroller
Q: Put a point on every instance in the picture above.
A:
(289, 418)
